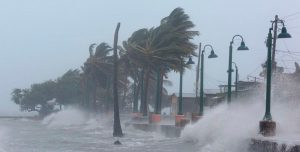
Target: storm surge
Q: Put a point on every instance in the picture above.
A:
(68, 117)
(75, 118)
(2, 138)
(229, 128)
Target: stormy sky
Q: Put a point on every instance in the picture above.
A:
(41, 40)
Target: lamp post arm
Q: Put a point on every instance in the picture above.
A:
(207, 45)
(235, 37)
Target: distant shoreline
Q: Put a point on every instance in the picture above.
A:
(20, 117)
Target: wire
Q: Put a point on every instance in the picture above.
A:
(214, 79)
(244, 78)
(285, 45)
(283, 61)
(295, 32)
(293, 14)
(254, 70)
(294, 27)
(291, 52)
(284, 64)
(293, 19)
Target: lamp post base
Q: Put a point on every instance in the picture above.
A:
(155, 118)
(267, 127)
(195, 117)
(181, 121)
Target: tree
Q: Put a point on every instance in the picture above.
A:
(132, 71)
(117, 131)
(68, 88)
(97, 71)
(36, 98)
(164, 46)
(17, 95)
(64, 90)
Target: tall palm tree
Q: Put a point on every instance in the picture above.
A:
(97, 71)
(132, 71)
(117, 130)
(164, 46)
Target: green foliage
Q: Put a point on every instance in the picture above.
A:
(165, 45)
(65, 90)
(160, 48)
(16, 95)
(68, 89)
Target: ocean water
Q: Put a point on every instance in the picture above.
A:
(224, 128)
(74, 131)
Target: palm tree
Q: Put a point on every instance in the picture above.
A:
(164, 46)
(133, 71)
(117, 131)
(97, 71)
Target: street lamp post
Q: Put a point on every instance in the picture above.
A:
(242, 47)
(212, 55)
(179, 112)
(197, 75)
(180, 115)
(236, 79)
(267, 126)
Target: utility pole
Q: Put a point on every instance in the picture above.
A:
(274, 43)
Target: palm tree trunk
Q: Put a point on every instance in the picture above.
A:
(145, 107)
(108, 95)
(94, 99)
(158, 92)
(135, 97)
(161, 89)
(123, 101)
(117, 131)
(142, 91)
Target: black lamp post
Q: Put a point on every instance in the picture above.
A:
(242, 47)
(180, 116)
(212, 55)
(267, 126)
(190, 61)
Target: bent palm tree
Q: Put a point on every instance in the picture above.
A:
(117, 131)
(97, 71)
(164, 46)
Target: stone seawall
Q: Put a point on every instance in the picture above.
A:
(167, 130)
(259, 145)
